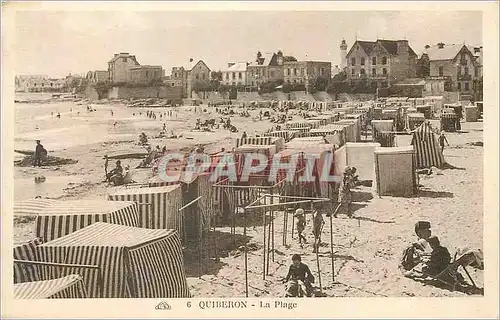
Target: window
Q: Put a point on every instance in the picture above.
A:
(362, 71)
(287, 72)
(172, 84)
(175, 75)
(476, 71)
(353, 61)
(374, 72)
(374, 61)
(384, 60)
(147, 73)
(459, 86)
(353, 72)
(227, 76)
(124, 59)
(466, 71)
(363, 61)
(234, 83)
(384, 84)
(384, 71)
(302, 71)
(239, 75)
(459, 71)
(322, 71)
(466, 86)
(272, 73)
(295, 71)
(197, 77)
(441, 71)
(234, 75)
(203, 76)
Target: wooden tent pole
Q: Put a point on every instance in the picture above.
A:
(268, 242)
(331, 248)
(319, 272)
(246, 251)
(264, 246)
(272, 225)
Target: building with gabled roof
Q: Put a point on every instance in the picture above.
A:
(195, 74)
(119, 67)
(459, 64)
(266, 67)
(380, 63)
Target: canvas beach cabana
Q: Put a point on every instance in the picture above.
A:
(158, 207)
(68, 287)
(428, 153)
(360, 155)
(56, 218)
(414, 120)
(395, 171)
(133, 262)
(26, 252)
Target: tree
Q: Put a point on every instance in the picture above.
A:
(102, 89)
(289, 59)
(216, 75)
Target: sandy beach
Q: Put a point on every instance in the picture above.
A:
(367, 248)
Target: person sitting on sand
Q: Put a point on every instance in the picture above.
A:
(299, 276)
(419, 251)
(116, 175)
(440, 258)
(127, 175)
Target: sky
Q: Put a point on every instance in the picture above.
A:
(56, 43)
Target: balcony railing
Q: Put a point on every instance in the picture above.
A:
(464, 77)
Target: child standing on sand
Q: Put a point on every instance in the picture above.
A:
(301, 224)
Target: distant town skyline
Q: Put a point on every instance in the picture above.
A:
(58, 43)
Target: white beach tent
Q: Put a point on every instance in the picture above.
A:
(395, 171)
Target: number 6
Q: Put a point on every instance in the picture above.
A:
(189, 304)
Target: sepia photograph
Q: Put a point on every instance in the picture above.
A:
(273, 154)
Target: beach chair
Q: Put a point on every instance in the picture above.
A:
(451, 276)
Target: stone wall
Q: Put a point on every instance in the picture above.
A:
(171, 93)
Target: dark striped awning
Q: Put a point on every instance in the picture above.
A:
(158, 207)
(133, 262)
(27, 251)
(56, 218)
(68, 287)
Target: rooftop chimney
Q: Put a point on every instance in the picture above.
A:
(116, 55)
(124, 53)
(230, 64)
(440, 45)
(427, 46)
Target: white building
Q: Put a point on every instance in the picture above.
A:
(235, 74)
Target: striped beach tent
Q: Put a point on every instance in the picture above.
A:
(56, 218)
(26, 251)
(427, 148)
(158, 207)
(68, 287)
(287, 135)
(133, 262)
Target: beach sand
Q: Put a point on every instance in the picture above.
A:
(367, 248)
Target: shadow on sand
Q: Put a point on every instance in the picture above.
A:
(448, 166)
(434, 194)
(218, 245)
